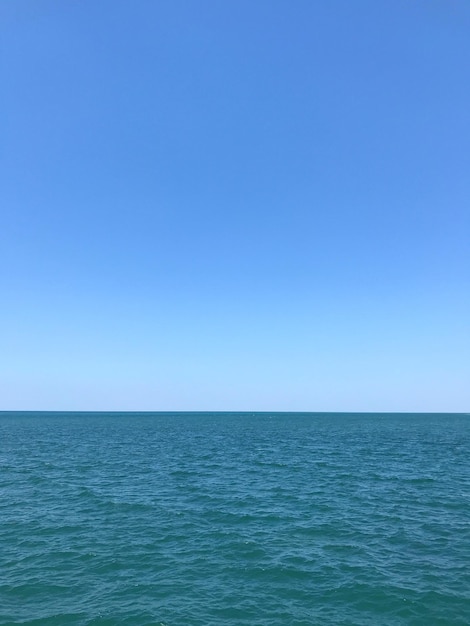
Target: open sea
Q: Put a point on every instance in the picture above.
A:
(209, 519)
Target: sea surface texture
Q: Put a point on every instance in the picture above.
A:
(209, 519)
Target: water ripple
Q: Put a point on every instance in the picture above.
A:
(268, 519)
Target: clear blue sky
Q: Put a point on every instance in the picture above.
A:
(239, 205)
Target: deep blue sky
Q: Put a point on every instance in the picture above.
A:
(240, 205)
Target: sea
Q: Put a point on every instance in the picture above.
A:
(209, 519)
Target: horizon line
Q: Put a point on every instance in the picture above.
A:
(230, 411)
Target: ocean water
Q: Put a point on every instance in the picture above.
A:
(205, 519)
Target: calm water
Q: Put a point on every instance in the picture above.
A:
(238, 519)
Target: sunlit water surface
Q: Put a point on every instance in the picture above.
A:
(205, 519)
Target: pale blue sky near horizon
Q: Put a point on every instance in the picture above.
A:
(235, 205)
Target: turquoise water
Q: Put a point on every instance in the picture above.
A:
(205, 519)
